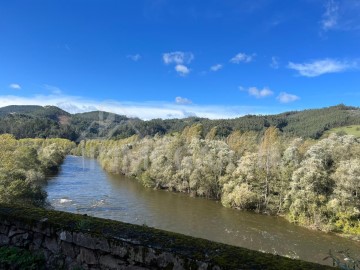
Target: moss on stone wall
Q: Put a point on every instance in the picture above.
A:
(188, 248)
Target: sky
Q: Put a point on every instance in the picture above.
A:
(180, 58)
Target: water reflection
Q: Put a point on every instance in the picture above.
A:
(83, 187)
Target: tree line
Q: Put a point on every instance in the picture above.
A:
(24, 165)
(52, 122)
(314, 183)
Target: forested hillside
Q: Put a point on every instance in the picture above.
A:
(270, 164)
(51, 122)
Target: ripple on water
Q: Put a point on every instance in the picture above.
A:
(83, 187)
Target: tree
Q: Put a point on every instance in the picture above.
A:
(269, 159)
(312, 186)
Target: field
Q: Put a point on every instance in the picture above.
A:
(350, 130)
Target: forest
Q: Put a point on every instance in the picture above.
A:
(53, 122)
(286, 164)
(313, 183)
(24, 166)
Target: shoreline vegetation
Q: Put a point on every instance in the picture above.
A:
(312, 183)
(311, 180)
(25, 165)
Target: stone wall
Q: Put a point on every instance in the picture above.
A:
(71, 241)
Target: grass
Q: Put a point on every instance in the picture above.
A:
(186, 247)
(349, 130)
(15, 258)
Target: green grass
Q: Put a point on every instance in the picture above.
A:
(188, 248)
(349, 130)
(15, 258)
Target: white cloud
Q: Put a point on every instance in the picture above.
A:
(134, 57)
(181, 100)
(178, 58)
(216, 67)
(284, 97)
(182, 70)
(320, 67)
(260, 93)
(274, 62)
(330, 16)
(145, 110)
(15, 86)
(242, 58)
(340, 15)
(53, 89)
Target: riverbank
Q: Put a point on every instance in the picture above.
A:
(69, 240)
(82, 186)
(313, 183)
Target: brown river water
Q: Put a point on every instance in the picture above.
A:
(83, 187)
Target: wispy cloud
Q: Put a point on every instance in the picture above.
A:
(182, 70)
(53, 89)
(320, 67)
(15, 86)
(259, 93)
(178, 58)
(340, 15)
(330, 16)
(134, 57)
(274, 62)
(181, 100)
(216, 67)
(284, 97)
(242, 58)
(144, 110)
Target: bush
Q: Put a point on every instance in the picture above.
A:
(15, 258)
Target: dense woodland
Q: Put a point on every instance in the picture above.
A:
(314, 183)
(52, 122)
(24, 165)
(278, 164)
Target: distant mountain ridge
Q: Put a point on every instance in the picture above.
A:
(30, 121)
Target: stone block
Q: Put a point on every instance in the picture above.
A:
(120, 251)
(43, 228)
(14, 231)
(165, 259)
(150, 256)
(136, 254)
(66, 236)
(111, 262)
(68, 250)
(91, 242)
(37, 240)
(83, 240)
(51, 244)
(4, 240)
(102, 244)
(87, 256)
(20, 240)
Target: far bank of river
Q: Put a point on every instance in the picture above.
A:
(83, 187)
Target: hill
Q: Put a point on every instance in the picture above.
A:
(50, 121)
(50, 112)
(348, 130)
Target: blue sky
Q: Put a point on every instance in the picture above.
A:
(157, 58)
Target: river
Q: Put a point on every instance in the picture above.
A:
(83, 187)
